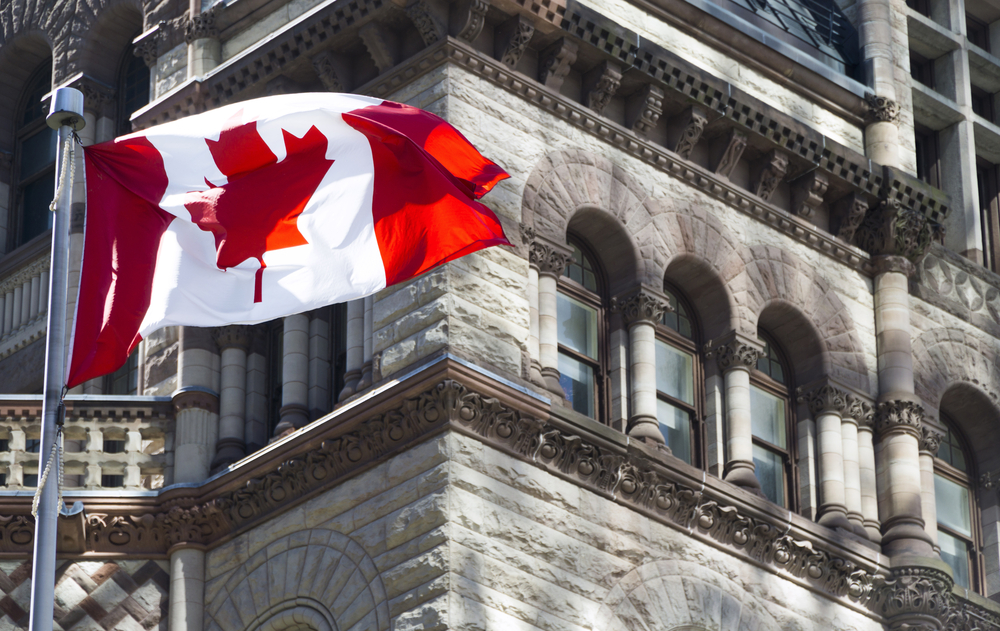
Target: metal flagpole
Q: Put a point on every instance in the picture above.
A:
(65, 115)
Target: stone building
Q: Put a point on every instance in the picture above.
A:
(740, 369)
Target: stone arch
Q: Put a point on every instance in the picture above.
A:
(20, 58)
(320, 580)
(779, 278)
(578, 187)
(673, 595)
(945, 357)
(611, 244)
(109, 32)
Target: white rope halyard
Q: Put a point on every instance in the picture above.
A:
(54, 459)
(68, 169)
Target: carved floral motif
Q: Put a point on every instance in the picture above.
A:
(894, 229)
(202, 26)
(641, 306)
(512, 39)
(420, 14)
(881, 109)
(892, 416)
(825, 398)
(696, 121)
(737, 354)
(547, 258)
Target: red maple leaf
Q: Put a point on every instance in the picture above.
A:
(256, 211)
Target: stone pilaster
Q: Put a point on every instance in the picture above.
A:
(827, 404)
(202, 38)
(196, 405)
(233, 342)
(534, 363)
(641, 310)
(187, 590)
(550, 260)
(863, 413)
(737, 355)
(295, 374)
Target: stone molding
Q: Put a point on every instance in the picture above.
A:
(554, 63)
(422, 17)
(641, 305)
(737, 352)
(202, 26)
(232, 336)
(823, 399)
(549, 258)
(914, 596)
(899, 416)
(894, 229)
(881, 109)
(37, 267)
(196, 399)
(147, 44)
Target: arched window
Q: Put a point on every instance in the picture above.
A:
(580, 317)
(958, 527)
(133, 89)
(770, 419)
(36, 156)
(678, 381)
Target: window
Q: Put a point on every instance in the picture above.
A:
(923, 7)
(114, 446)
(989, 208)
(125, 380)
(958, 530)
(36, 156)
(5, 444)
(922, 69)
(133, 89)
(977, 32)
(30, 479)
(982, 103)
(580, 323)
(32, 445)
(678, 382)
(770, 424)
(113, 481)
(928, 164)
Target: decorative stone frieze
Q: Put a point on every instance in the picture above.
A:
(641, 305)
(824, 398)
(848, 213)
(555, 61)
(474, 20)
(899, 416)
(427, 25)
(881, 109)
(808, 192)
(961, 287)
(377, 43)
(600, 84)
(738, 352)
(731, 157)
(913, 597)
(696, 118)
(511, 40)
(643, 109)
(548, 257)
(930, 439)
(326, 67)
(775, 167)
(894, 229)
(232, 336)
(202, 26)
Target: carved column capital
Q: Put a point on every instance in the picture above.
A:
(641, 305)
(914, 597)
(881, 109)
(736, 351)
(548, 257)
(860, 411)
(896, 264)
(232, 336)
(202, 26)
(824, 398)
(97, 97)
(899, 416)
(147, 44)
(930, 439)
(895, 229)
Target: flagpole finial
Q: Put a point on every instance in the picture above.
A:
(66, 109)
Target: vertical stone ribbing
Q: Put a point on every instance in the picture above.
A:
(864, 413)
(294, 374)
(187, 590)
(355, 347)
(319, 363)
(233, 342)
(255, 429)
(737, 356)
(826, 404)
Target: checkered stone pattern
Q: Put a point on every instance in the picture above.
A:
(91, 595)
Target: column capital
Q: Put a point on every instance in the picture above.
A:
(824, 398)
(232, 336)
(196, 398)
(736, 351)
(202, 26)
(930, 439)
(899, 416)
(860, 411)
(98, 97)
(641, 304)
(548, 257)
(892, 263)
(881, 109)
(893, 228)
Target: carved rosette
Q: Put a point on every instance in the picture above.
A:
(696, 121)
(641, 306)
(881, 109)
(899, 416)
(202, 26)
(737, 354)
(824, 399)
(930, 440)
(547, 258)
(895, 230)
(232, 336)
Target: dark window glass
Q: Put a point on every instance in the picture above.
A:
(989, 205)
(923, 7)
(982, 103)
(922, 69)
(30, 479)
(928, 168)
(770, 424)
(36, 154)
(678, 319)
(4, 445)
(112, 481)
(957, 515)
(579, 320)
(133, 89)
(3, 479)
(32, 445)
(125, 380)
(770, 364)
(977, 32)
(114, 446)
(581, 270)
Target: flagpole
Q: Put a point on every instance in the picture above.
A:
(65, 115)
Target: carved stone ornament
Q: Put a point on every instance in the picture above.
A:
(896, 416)
(96, 98)
(641, 306)
(147, 45)
(202, 26)
(232, 336)
(603, 82)
(893, 264)
(326, 69)
(930, 439)
(554, 63)
(196, 399)
(527, 234)
(377, 43)
(775, 167)
(548, 258)
(734, 150)
(697, 118)
(881, 109)
(420, 14)
(850, 211)
(511, 40)
(737, 353)
(913, 597)
(643, 109)
(825, 398)
(808, 192)
(894, 229)
(474, 21)
(860, 411)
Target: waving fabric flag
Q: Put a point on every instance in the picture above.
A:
(267, 208)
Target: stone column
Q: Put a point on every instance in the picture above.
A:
(355, 347)
(826, 404)
(233, 342)
(203, 47)
(641, 310)
(864, 414)
(319, 363)
(930, 440)
(534, 363)
(737, 355)
(368, 328)
(255, 429)
(187, 590)
(875, 30)
(550, 259)
(295, 374)
(196, 405)
(852, 474)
